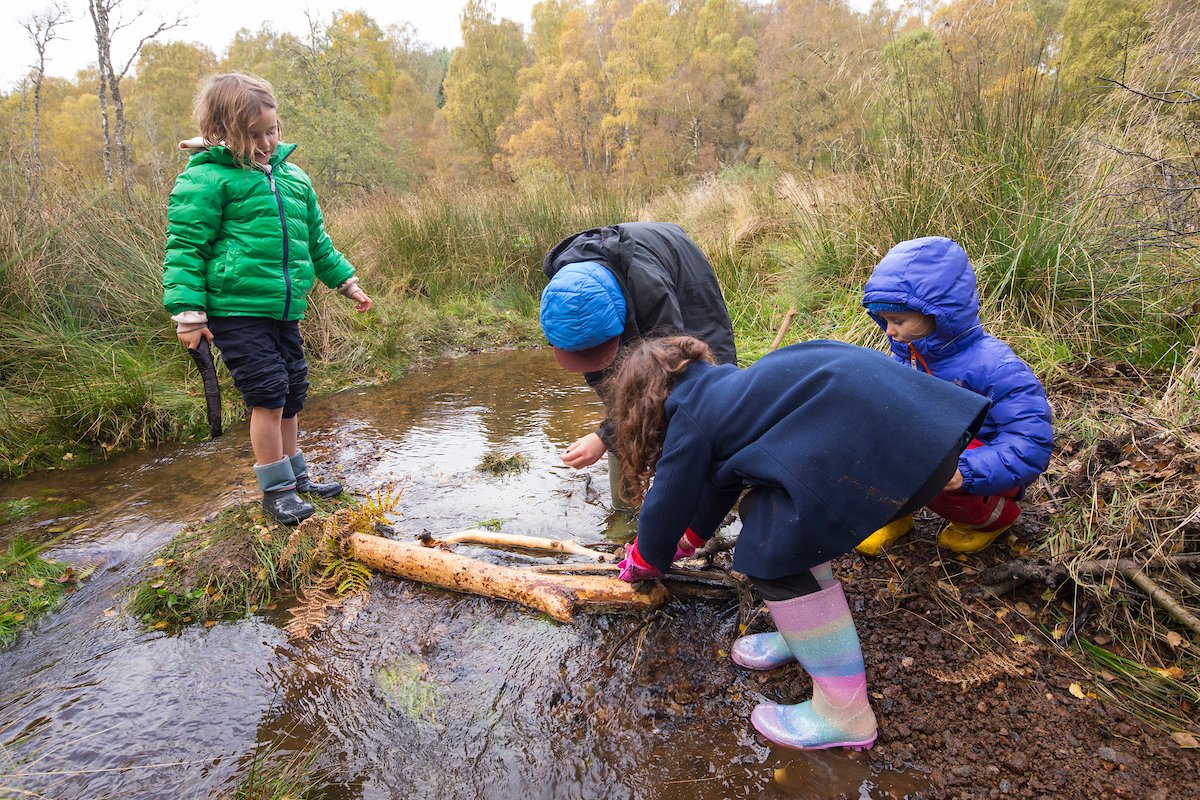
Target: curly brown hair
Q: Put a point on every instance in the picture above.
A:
(636, 395)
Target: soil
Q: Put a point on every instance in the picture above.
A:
(968, 688)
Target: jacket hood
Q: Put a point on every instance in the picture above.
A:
(931, 275)
(220, 154)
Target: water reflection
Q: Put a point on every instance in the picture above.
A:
(413, 692)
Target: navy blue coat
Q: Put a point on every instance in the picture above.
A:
(932, 275)
(833, 440)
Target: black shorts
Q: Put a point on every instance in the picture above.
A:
(265, 358)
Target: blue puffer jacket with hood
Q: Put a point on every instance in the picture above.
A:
(933, 275)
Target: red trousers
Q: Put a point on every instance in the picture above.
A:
(985, 513)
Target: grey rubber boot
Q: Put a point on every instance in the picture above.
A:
(306, 485)
(278, 484)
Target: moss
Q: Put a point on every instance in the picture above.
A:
(408, 690)
(229, 566)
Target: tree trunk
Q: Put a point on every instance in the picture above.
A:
(99, 12)
(560, 596)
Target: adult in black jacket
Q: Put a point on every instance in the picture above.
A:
(615, 285)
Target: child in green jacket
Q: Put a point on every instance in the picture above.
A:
(245, 241)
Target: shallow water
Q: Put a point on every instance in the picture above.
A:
(412, 692)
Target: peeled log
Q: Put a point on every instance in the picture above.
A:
(560, 596)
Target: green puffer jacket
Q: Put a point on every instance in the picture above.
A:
(246, 242)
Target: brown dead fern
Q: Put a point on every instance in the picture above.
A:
(985, 668)
(337, 574)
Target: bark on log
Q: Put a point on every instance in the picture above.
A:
(560, 596)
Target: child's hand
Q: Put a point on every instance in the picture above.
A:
(362, 303)
(955, 483)
(191, 339)
(584, 452)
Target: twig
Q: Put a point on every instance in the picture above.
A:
(657, 615)
(1130, 570)
(787, 322)
(1006, 578)
(492, 539)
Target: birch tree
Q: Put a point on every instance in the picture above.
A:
(42, 29)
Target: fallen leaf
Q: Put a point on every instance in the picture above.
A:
(1001, 613)
(1185, 739)
(1077, 690)
(1174, 673)
(162, 624)
(37, 583)
(907, 661)
(111, 611)
(1019, 638)
(1024, 610)
(1048, 595)
(1058, 633)
(1101, 639)
(1174, 639)
(158, 562)
(210, 623)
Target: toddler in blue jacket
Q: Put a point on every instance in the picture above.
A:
(922, 294)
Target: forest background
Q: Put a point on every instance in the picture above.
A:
(796, 141)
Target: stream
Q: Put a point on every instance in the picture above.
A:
(412, 692)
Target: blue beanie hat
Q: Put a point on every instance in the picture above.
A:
(889, 308)
(582, 306)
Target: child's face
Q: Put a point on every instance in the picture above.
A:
(264, 135)
(907, 326)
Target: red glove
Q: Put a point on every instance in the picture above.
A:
(689, 543)
(634, 568)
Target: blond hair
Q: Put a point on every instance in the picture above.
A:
(227, 105)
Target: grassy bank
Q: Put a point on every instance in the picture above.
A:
(30, 587)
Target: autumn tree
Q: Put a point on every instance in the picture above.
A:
(812, 73)
(562, 102)
(109, 85)
(161, 103)
(481, 81)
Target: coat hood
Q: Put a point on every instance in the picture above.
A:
(931, 275)
(220, 154)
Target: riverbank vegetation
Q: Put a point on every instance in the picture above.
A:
(795, 141)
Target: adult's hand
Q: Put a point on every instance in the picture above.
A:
(191, 339)
(584, 452)
(955, 483)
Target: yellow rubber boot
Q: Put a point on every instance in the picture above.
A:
(873, 545)
(962, 539)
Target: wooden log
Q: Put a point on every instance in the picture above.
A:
(560, 596)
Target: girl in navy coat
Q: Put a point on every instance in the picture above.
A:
(922, 294)
(800, 428)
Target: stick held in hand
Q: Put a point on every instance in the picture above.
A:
(202, 355)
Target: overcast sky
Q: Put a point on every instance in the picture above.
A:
(213, 22)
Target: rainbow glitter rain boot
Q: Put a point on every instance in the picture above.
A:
(820, 632)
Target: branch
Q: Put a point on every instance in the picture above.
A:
(1159, 96)
(163, 27)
